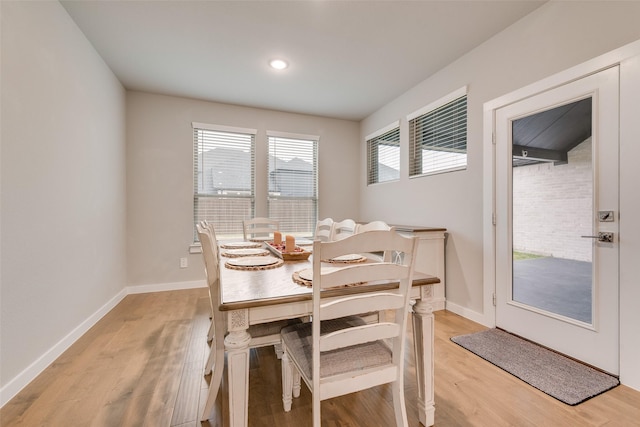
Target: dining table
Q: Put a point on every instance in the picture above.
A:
(260, 295)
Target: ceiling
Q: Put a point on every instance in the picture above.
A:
(548, 136)
(347, 58)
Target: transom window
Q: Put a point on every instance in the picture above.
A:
(438, 136)
(293, 182)
(224, 177)
(383, 154)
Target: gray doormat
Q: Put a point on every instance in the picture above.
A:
(558, 376)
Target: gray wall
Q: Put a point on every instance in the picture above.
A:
(160, 175)
(554, 37)
(551, 39)
(63, 184)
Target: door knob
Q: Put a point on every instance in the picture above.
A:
(605, 237)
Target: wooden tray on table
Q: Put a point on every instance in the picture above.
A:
(299, 253)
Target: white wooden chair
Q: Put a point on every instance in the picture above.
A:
(342, 229)
(259, 228)
(323, 230)
(338, 353)
(261, 335)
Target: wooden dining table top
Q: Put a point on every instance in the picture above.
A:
(241, 289)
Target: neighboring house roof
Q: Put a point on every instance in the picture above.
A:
(229, 170)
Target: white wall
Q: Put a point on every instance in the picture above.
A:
(553, 38)
(160, 176)
(63, 188)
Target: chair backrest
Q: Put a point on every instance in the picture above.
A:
(342, 229)
(323, 230)
(211, 256)
(372, 298)
(207, 227)
(259, 227)
(373, 225)
(377, 225)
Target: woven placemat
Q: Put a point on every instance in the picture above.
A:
(229, 254)
(299, 280)
(308, 283)
(240, 245)
(345, 261)
(254, 268)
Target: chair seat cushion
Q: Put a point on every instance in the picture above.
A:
(298, 340)
(271, 328)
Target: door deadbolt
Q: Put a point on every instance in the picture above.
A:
(605, 216)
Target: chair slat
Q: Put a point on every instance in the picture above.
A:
(365, 302)
(358, 335)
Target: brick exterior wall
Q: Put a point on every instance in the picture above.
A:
(553, 207)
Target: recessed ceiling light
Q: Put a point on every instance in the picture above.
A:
(278, 64)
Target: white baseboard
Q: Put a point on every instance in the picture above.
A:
(16, 384)
(161, 287)
(470, 314)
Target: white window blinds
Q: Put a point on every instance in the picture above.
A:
(224, 177)
(383, 155)
(293, 182)
(438, 138)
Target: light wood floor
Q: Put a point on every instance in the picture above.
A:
(142, 364)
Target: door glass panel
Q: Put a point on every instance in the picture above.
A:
(552, 178)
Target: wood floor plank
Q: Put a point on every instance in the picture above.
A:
(142, 364)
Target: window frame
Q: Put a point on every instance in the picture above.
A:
(373, 145)
(415, 153)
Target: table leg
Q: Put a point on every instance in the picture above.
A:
(423, 338)
(237, 345)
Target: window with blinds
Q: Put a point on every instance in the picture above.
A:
(438, 136)
(383, 155)
(293, 182)
(224, 177)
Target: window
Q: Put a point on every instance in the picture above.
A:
(223, 177)
(293, 182)
(383, 154)
(438, 136)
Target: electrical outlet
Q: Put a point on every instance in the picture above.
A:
(184, 263)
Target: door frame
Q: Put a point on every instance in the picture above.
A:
(595, 65)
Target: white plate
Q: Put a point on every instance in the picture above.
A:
(347, 258)
(253, 261)
(304, 242)
(245, 252)
(307, 273)
(232, 245)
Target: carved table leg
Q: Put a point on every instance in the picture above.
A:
(423, 338)
(237, 346)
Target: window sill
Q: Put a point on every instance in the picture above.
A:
(195, 248)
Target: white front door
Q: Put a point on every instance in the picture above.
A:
(557, 219)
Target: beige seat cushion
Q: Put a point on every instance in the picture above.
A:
(299, 342)
(271, 328)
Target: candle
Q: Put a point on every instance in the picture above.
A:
(290, 244)
(277, 237)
